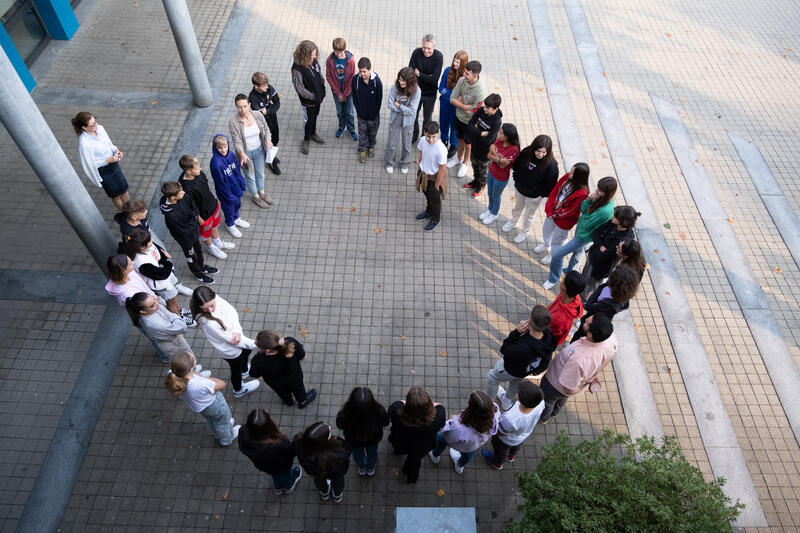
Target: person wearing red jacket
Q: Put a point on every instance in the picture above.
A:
(563, 208)
(567, 306)
(339, 70)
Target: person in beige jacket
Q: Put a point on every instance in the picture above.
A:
(251, 143)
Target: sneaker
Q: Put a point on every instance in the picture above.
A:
(511, 458)
(389, 169)
(508, 226)
(266, 197)
(484, 214)
(234, 231)
(226, 245)
(317, 139)
(298, 473)
(362, 157)
(276, 161)
(325, 494)
(451, 152)
(422, 216)
(183, 289)
(453, 161)
(208, 269)
(246, 373)
(339, 133)
(486, 454)
(337, 498)
(488, 220)
(247, 388)
(521, 236)
(362, 471)
(184, 314)
(434, 458)
(190, 323)
(462, 170)
(311, 395)
(477, 193)
(304, 147)
(403, 170)
(242, 223)
(371, 151)
(275, 168)
(236, 431)
(546, 259)
(202, 278)
(549, 284)
(371, 472)
(276, 490)
(260, 202)
(205, 373)
(432, 225)
(233, 421)
(354, 136)
(469, 185)
(216, 252)
(541, 248)
(456, 456)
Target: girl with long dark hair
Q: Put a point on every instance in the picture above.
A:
(324, 457)
(563, 207)
(502, 154)
(602, 257)
(270, 450)
(362, 419)
(403, 101)
(415, 423)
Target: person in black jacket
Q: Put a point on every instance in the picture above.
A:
(180, 216)
(270, 451)
(526, 351)
(367, 97)
(482, 131)
(602, 257)
(264, 99)
(427, 64)
(415, 423)
(278, 362)
(611, 297)
(325, 458)
(362, 419)
(535, 175)
(310, 87)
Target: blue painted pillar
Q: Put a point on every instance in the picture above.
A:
(58, 18)
(16, 60)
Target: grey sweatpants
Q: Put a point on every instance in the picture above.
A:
(397, 133)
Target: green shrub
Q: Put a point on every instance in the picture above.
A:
(613, 484)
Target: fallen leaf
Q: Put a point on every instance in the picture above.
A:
(378, 230)
(496, 88)
(668, 226)
(443, 353)
(669, 293)
(593, 161)
(339, 208)
(778, 270)
(403, 337)
(352, 209)
(440, 493)
(670, 371)
(216, 517)
(656, 251)
(515, 38)
(730, 221)
(682, 235)
(154, 102)
(636, 326)
(225, 496)
(605, 75)
(366, 214)
(379, 285)
(669, 35)
(603, 143)
(246, 309)
(513, 198)
(540, 89)
(468, 251)
(380, 343)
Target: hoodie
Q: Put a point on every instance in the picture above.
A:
(340, 88)
(610, 236)
(565, 215)
(480, 122)
(181, 221)
(275, 458)
(125, 228)
(524, 355)
(226, 173)
(531, 179)
(563, 316)
(367, 97)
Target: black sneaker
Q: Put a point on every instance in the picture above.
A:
(311, 395)
(422, 216)
(274, 168)
(276, 160)
(209, 270)
(202, 278)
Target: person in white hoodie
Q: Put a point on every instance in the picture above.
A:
(220, 323)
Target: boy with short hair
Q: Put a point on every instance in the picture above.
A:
(482, 132)
(367, 91)
(133, 215)
(432, 174)
(516, 425)
(195, 184)
(180, 216)
(339, 69)
(467, 97)
(264, 99)
(567, 306)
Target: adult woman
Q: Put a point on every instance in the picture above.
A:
(271, 451)
(163, 326)
(535, 176)
(447, 111)
(415, 423)
(307, 81)
(251, 142)
(325, 458)
(563, 207)
(502, 154)
(595, 210)
(362, 419)
(603, 255)
(403, 101)
(100, 158)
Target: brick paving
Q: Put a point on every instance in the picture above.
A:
(372, 316)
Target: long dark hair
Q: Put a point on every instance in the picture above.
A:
(201, 296)
(626, 216)
(360, 414)
(623, 283)
(80, 121)
(407, 73)
(316, 450)
(632, 257)
(260, 427)
(580, 177)
(479, 414)
(510, 131)
(540, 141)
(134, 305)
(418, 411)
(135, 241)
(269, 340)
(609, 186)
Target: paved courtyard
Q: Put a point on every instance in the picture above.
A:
(340, 263)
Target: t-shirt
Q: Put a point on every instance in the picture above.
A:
(433, 155)
(199, 393)
(516, 426)
(509, 152)
(577, 364)
(340, 64)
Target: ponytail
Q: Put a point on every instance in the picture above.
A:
(181, 366)
(269, 340)
(134, 305)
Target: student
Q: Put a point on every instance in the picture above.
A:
(261, 441)
(278, 362)
(415, 424)
(325, 458)
(630, 254)
(163, 326)
(403, 102)
(467, 97)
(427, 64)
(203, 395)
(432, 174)
(229, 184)
(362, 420)
(195, 185)
(526, 351)
(467, 431)
(611, 297)
(482, 131)
(251, 144)
(567, 306)
(447, 111)
(535, 176)
(596, 210)
(515, 425)
(602, 256)
(100, 158)
(307, 81)
(563, 207)
(180, 216)
(220, 323)
(264, 99)
(133, 216)
(367, 91)
(501, 154)
(340, 68)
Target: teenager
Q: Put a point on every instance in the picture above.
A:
(415, 424)
(467, 96)
(161, 325)
(567, 306)
(229, 183)
(515, 425)
(362, 420)
(432, 174)
(563, 208)
(447, 111)
(265, 99)
(261, 441)
(611, 297)
(602, 257)
(403, 101)
(482, 130)
(307, 81)
(367, 89)
(501, 156)
(278, 362)
(340, 68)
(324, 457)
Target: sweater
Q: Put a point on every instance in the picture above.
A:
(136, 283)
(524, 355)
(162, 325)
(374, 431)
(565, 215)
(236, 127)
(367, 97)
(220, 338)
(471, 94)
(275, 458)
(335, 467)
(414, 441)
(181, 221)
(125, 228)
(479, 122)
(227, 174)
(277, 370)
(333, 78)
(408, 106)
(430, 68)
(564, 316)
(591, 221)
(197, 189)
(464, 438)
(308, 83)
(269, 101)
(531, 179)
(155, 268)
(608, 236)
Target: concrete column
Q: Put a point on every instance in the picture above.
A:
(181, 24)
(32, 135)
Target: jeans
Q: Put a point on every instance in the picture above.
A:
(495, 188)
(447, 116)
(466, 457)
(238, 366)
(218, 417)
(254, 171)
(366, 457)
(553, 400)
(159, 352)
(498, 375)
(502, 450)
(426, 104)
(344, 111)
(574, 247)
(284, 480)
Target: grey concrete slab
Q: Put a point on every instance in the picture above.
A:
(53, 287)
(435, 520)
(90, 98)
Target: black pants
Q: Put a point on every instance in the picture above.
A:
(194, 257)
(502, 450)
(553, 400)
(310, 120)
(238, 365)
(294, 388)
(480, 167)
(426, 104)
(274, 131)
(433, 198)
(368, 133)
(337, 484)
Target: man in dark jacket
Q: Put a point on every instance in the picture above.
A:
(427, 64)
(526, 351)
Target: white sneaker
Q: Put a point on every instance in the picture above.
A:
(233, 422)
(227, 245)
(183, 289)
(216, 252)
(522, 235)
(236, 431)
(241, 223)
(508, 226)
(248, 387)
(190, 322)
(462, 170)
(546, 259)
(453, 161)
(491, 218)
(484, 214)
(233, 230)
(198, 368)
(389, 169)
(205, 373)
(434, 458)
(455, 456)
(403, 170)
(246, 373)
(542, 248)
(549, 284)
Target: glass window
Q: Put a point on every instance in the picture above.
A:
(24, 27)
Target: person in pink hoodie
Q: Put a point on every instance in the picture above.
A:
(339, 70)
(567, 306)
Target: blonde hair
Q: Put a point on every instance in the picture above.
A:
(181, 366)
